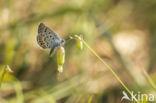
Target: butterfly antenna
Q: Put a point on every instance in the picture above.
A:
(68, 39)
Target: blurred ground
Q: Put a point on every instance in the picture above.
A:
(122, 32)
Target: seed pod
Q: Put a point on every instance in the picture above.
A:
(79, 44)
(60, 58)
(60, 68)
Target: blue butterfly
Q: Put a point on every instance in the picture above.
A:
(46, 38)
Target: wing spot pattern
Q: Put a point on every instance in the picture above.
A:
(45, 29)
(41, 42)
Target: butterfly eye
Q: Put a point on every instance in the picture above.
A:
(62, 41)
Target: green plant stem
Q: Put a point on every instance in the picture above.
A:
(109, 68)
(149, 79)
(3, 74)
(147, 76)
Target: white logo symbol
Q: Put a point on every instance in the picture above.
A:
(125, 96)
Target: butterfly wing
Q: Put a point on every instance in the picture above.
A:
(41, 35)
(46, 38)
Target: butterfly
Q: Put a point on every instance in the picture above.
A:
(47, 38)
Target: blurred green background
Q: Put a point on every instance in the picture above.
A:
(122, 32)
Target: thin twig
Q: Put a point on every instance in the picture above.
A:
(109, 68)
(3, 74)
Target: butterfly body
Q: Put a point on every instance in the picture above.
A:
(46, 38)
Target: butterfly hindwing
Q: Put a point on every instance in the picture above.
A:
(41, 27)
(41, 36)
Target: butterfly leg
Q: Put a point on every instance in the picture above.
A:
(52, 51)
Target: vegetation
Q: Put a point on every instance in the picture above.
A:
(110, 48)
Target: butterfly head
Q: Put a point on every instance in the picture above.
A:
(62, 42)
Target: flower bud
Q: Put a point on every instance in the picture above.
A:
(60, 58)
